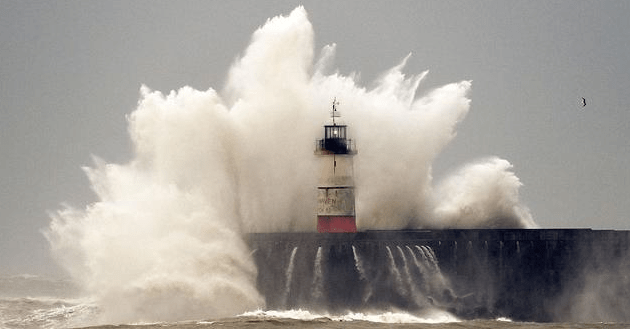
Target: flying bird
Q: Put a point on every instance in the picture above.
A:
(583, 101)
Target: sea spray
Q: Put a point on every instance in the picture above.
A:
(317, 290)
(481, 194)
(289, 278)
(164, 241)
(414, 294)
(397, 277)
(277, 121)
(358, 264)
(321, 320)
(423, 276)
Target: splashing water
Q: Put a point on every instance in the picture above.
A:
(434, 316)
(398, 281)
(415, 294)
(164, 240)
(483, 194)
(318, 276)
(289, 277)
(358, 264)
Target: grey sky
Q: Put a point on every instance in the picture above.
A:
(70, 71)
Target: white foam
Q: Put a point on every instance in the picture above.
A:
(46, 312)
(428, 316)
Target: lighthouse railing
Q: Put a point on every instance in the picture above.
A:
(335, 145)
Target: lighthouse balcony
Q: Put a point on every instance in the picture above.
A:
(335, 146)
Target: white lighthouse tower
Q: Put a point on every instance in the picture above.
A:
(335, 192)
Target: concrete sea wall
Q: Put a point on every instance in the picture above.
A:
(523, 274)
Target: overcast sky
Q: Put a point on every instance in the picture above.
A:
(70, 71)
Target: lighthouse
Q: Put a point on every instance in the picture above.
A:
(335, 191)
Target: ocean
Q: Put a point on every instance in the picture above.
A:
(165, 239)
(35, 302)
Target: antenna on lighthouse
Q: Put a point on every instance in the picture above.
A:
(335, 114)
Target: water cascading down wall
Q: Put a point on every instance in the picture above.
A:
(523, 274)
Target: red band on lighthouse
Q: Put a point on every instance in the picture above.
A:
(336, 224)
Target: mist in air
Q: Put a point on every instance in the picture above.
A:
(164, 241)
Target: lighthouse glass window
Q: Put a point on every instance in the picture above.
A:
(334, 132)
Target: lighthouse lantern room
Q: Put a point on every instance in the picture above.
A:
(335, 191)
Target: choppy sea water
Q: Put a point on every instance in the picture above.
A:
(44, 312)
(33, 302)
(28, 312)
